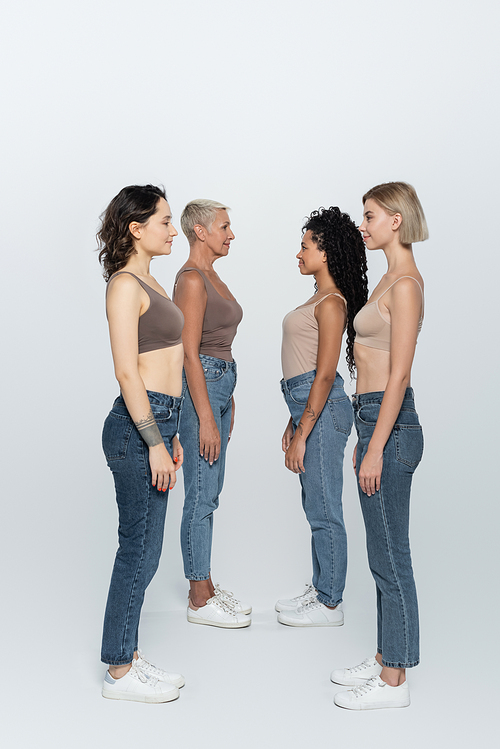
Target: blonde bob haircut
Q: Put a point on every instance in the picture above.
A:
(199, 211)
(400, 197)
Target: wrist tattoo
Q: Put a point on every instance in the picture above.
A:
(310, 412)
(300, 428)
(148, 429)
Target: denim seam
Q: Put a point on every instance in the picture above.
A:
(139, 566)
(402, 602)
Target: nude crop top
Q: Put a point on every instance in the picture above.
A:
(222, 317)
(160, 326)
(372, 328)
(299, 347)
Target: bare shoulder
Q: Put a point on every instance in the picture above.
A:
(190, 281)
(123, 285)
(408, 287)
(330, 308)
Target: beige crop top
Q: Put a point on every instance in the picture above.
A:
(299, 347)
(160, 326)
(372, 328)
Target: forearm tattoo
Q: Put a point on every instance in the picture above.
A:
(148, 429)
(311, 413)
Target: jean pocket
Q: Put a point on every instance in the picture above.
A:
(116, 436)
(342, 414)
(409, 441)
(368, 413)
(300, 393)
(213, 374)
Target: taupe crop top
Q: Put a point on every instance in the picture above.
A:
(372, 328)
(160, 326)
(222, 317)
(299, 347)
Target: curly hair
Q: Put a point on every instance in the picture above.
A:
(337, 235)
(115, 242)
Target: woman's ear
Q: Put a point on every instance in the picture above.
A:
(200, 232)
(397, 220)
(135, 229)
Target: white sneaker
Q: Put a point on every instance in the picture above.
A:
(313, 614)
(177, 680)
(351, 677)
(138, 686)
(238, 606)
(218, 613)
(374, 695)
(290, 604)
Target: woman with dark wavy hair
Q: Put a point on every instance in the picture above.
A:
(139, 437)
(321, 418)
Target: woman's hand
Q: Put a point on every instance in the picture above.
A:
(209, 441)
(177, 452)
(287, 436)
(294, 458)
(370, 472)
(162, 468)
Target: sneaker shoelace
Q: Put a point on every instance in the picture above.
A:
(310, 605)
(136, 672)
(361, 667)
(147, 667)
(226, 595)
(227, 607)
(363, 689)
(310, 592)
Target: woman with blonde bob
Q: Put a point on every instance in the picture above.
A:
(390, 443)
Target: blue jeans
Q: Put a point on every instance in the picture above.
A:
(141, 511)
(322, 482)
(387, 514)
(203, 482)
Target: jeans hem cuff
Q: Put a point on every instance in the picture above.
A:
(327, 602)
(116, 661)
(400, 665)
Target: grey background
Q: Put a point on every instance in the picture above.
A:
(274, 108)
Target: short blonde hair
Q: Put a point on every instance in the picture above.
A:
(199, 211)
(400, 197)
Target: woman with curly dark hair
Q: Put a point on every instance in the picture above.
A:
(139, 437)
(314, 441)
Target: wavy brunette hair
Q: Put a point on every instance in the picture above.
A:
(337, 235)
(115, 242)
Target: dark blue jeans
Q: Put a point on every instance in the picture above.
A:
(141, 511)
(203, 482)
(387, 515)
(322, 482)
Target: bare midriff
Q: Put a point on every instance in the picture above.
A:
(373, 367)
(161, 370)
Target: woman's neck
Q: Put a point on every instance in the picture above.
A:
(325, 282)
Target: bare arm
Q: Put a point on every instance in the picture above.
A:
(404, 303)
(191, 297)
(124, 305)
(331, 322)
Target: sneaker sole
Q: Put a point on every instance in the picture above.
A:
(222, 625)
(375, 706)
(311, 624)
(149, 698)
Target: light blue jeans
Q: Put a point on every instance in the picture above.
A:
(387, 517)
(322, 482)
(203, 482)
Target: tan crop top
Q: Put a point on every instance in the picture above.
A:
(299, 347)
(372, 328)
(222, 317)
(160, 326)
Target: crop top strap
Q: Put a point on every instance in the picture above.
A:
(332, 293)
(395, 282)
(145, 286)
